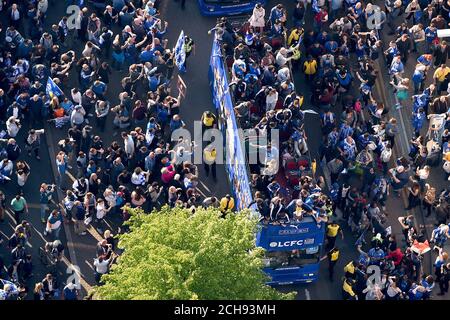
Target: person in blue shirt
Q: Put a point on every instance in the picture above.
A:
(276, 13)
(428, 283)
(391, 52)
(345, 131)
(331, 46)
(397, 68)
(147, 55)
(418, 120)
(376, 256)
(323, 37)
(54, 224)
(99, 89)
(70, 292)
(176, 123)
(418, 78)
(425, 59)
(430, 35)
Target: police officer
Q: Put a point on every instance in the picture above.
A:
(208, 120)
(332, 230)
(347, 290)
(189, 46)
(209, 160)
(226, 204)
(333, 256)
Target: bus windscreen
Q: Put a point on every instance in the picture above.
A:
(289, 259)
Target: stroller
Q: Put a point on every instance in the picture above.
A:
(434, 138)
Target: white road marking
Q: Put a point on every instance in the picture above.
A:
(308, 296)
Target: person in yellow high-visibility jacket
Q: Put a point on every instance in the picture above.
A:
(294, 36)
(209, 120)
(209, 161)
(310, 67)
(332, 256)
(347, 290)
(226, 204)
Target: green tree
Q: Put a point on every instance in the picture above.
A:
(174, 254)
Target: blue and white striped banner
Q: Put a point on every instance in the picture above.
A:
(180, 53)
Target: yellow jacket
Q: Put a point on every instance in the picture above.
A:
(310, 67)
(226, 205)
(294, 36)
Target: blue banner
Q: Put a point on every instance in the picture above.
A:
(180, 53)
(52, 89)
(236, 162)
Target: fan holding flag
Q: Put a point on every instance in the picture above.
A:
(183, 49)
(52, 89)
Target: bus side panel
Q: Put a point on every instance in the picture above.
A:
(284, 276)
(210, 9)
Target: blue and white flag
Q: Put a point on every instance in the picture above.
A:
(315, 6)
(180, 53)
(52, 89)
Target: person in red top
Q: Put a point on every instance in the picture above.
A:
(320, 19)
(168, 173)
(396, 256)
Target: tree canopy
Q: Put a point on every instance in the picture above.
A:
(174, 254)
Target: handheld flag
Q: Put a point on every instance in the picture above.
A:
(180, 53)
(420, 247)
(52, 89)
(315, 6)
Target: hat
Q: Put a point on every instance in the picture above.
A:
(70, 285)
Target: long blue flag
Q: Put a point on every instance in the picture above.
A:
(180, 53)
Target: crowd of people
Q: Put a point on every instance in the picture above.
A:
(143, 168)
(339, 56)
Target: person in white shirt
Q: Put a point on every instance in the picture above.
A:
(77, 116)
(101, 212)
(42, 7)
(284, 74)
(386, 155)
(88, 48)
(271, 99)
(257, 19)
(129, 144)
(282, 55)
(101, 267)
(13, 126)
(423, 175)
(76, 96)
(139, 177)
(110, 197)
